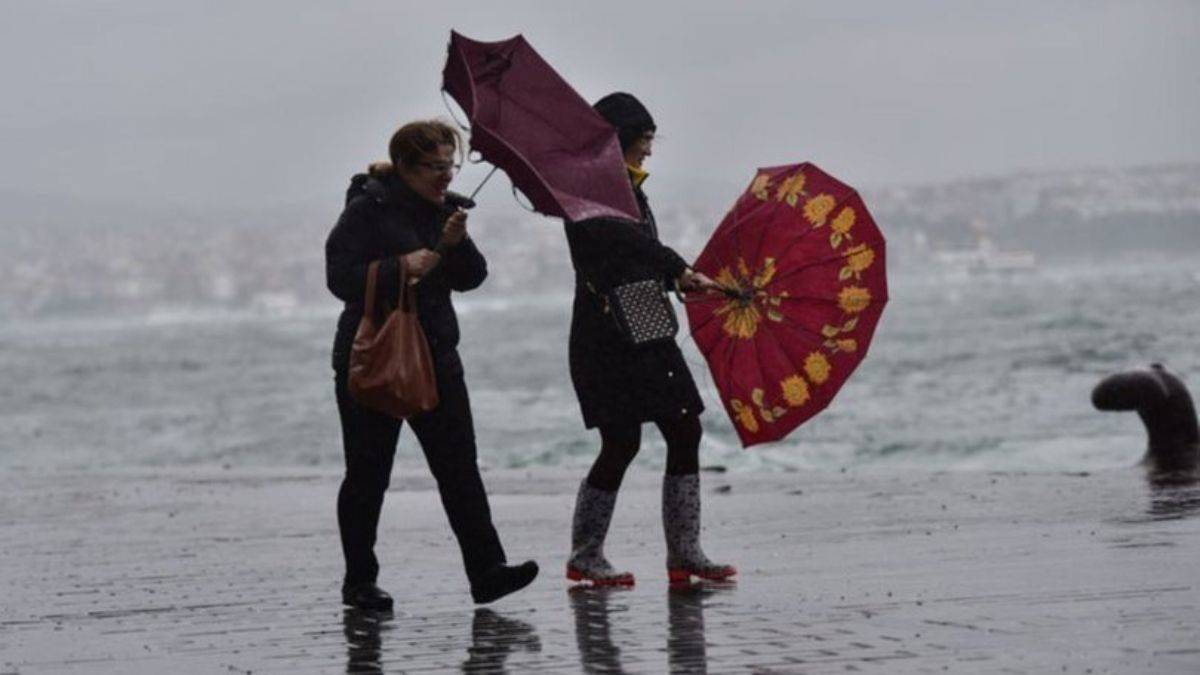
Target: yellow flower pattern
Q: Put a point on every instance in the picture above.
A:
(817, 209)
(858, 259)
(795, 391)
(841, 226)
(844, 221)
(743, 314)
(854, 299)
(762, 182)
(754, 303)
(816, 366)
(741, 320)
(745, 415)
(768, 412)
(790, 189)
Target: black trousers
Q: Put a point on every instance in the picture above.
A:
(447, 437)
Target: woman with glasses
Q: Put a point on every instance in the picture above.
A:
(400, 211)
(621, 386)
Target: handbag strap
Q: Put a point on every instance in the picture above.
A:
(603, 298)
(372, 278)
(408, 292)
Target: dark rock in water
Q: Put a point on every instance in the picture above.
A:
(1165, 406)
(724, 489)
(714, 468)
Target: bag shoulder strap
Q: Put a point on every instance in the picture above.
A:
(408, 292)
(372, 278)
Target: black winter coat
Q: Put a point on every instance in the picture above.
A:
(383, 220)
(616, 382)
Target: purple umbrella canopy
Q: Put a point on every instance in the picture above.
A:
(526, 120)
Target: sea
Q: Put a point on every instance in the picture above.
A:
(967, 371)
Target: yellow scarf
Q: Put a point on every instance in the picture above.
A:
(637, 174)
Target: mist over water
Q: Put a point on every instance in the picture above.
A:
(967, 371)
(169, 178)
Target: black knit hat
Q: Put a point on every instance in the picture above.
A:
(627, 114)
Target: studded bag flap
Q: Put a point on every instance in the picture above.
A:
(643, 312)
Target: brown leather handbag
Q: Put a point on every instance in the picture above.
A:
(391, 369)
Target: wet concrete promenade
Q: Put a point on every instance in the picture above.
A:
(236, 571)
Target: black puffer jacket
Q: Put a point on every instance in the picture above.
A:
(616, 382)
(383, 220)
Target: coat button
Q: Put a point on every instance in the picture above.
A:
(683, 411)
(670, 373)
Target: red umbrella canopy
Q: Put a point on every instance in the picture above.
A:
(528, 121)
(802, 262)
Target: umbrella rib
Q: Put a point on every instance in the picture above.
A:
(817, 402)
(791, 323)
(703, 322)
(786, 357)
(807, 232)
(800, 268)
(732, 351)
(524, 160)
(739, 220)
(732, 233)
(762, 238)
(723, 260)
(534, 113)
(830, 397)
(802, 328)
(815, 298)
(759, 369)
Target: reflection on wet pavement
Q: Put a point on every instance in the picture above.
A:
(685, 618)
(364, 641)
(598, 653)
(593, 632)
(493, 638)
(971, 572)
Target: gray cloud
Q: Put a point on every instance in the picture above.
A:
(276, 102)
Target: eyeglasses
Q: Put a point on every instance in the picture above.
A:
(441, 167)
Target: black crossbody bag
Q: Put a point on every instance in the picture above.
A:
(641, 310)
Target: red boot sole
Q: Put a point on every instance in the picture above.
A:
(683, 575)
(577, 575)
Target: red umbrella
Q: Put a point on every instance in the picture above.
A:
(527, 120)
(802, 263)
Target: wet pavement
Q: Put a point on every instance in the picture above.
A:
(214, 571)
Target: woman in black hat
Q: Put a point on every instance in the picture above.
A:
(621, 386)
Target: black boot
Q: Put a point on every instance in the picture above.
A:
(367, 596)
(502, 580)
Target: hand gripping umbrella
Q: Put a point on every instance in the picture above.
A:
(526, 120)
(802, 265)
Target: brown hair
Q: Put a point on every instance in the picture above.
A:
(413, 141)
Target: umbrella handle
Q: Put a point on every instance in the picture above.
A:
(679, 293)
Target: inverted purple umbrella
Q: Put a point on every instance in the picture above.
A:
(526, 120)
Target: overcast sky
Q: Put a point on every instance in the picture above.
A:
(278, 102)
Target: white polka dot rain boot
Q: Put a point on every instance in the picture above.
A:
(593, 512)
(681, 524)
